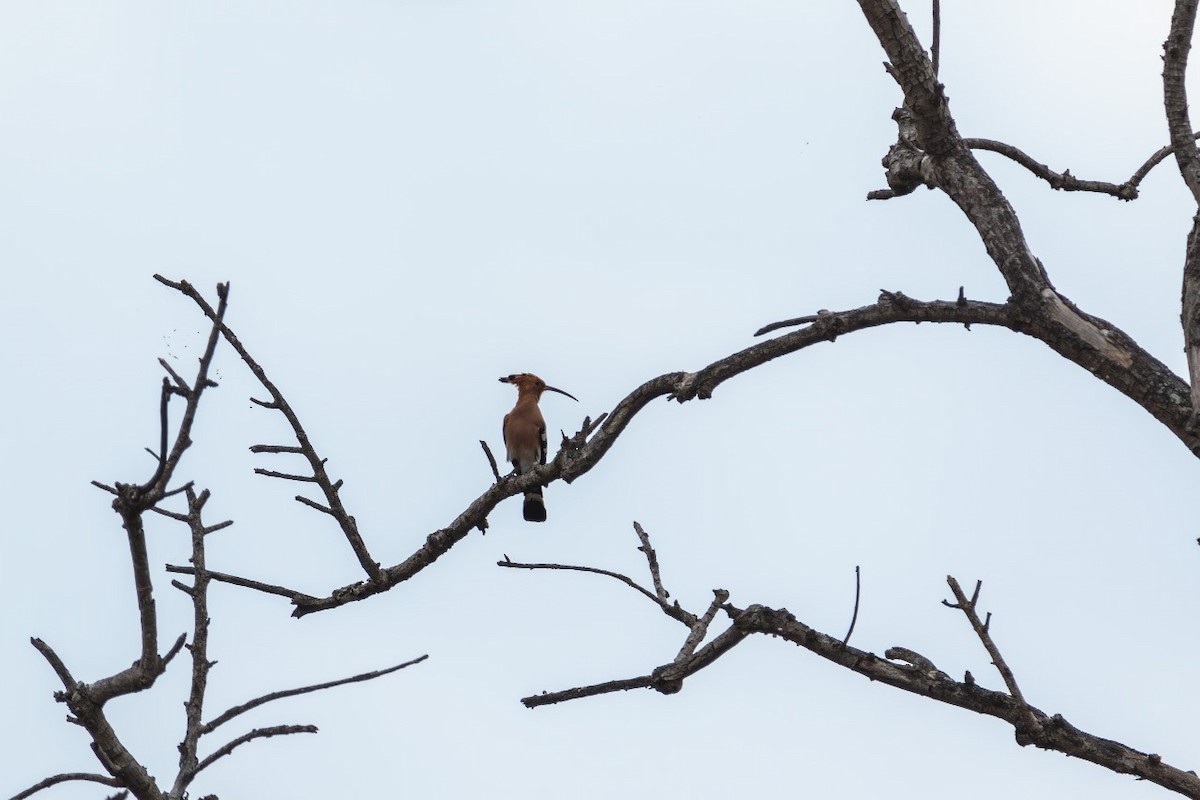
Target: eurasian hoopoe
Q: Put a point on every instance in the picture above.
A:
(525, 435)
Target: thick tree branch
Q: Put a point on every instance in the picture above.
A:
(1088, 341)
(931, 152)
(1175, 59)
(913, 70)
(1187, 156)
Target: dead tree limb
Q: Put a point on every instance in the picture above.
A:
(903, 669)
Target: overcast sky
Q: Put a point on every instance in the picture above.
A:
(413, 198)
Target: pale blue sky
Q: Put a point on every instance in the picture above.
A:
(413, 198)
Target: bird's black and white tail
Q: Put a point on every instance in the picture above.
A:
(535, 507)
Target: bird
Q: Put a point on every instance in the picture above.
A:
(525, 435)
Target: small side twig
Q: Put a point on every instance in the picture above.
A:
(672, 610)
(652, 561)
(257, 733)
(267, 698)
(667, 679)
(56, 663)
(857, 595)
(968, 607)
(623, 685)
(700, 628)
(487, 451)
(298, 598)
(54, 780)
(788, 323)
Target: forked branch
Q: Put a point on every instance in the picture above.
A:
(1088, 341)
(329, 488)
(902, 669)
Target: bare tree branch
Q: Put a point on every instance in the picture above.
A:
(608, 687)
(257, 733)
(1089, 341)
(1175, 59)
(652, 562)
(700, 628)
(667, 679)
(672, 610)
(918, 675)
(319, 476)
(487, 451)
(267, 698)
(1033, 728)
(86, 700)
(63, 778)
(1187, 156)
(194, 707)
(1063, 181)
(296, 597)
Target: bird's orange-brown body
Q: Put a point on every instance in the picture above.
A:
(525, 435)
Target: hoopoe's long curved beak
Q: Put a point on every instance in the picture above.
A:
(560, 391)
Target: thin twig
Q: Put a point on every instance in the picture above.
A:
(550, 698)
(313, 504)
(287, 476)
(276, 448)
(507, 562)
(56, 663)
(175, 648)
(487, 451)
(267, 698)
(282, 591)
(700, 628)
(857, 595)
(652, 561)
(667, 679)
(788, 323)
(64, 777)
(257, 733)
(968, 607)
(1062, 181)
(180, 383)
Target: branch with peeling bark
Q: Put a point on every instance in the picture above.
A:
(1187, 157)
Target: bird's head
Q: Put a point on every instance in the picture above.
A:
(528, 383)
